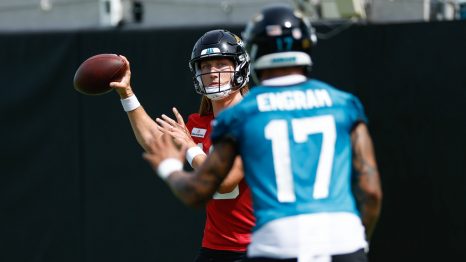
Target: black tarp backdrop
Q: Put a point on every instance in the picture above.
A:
(73, 185)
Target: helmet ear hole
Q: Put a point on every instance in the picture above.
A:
(238, 80)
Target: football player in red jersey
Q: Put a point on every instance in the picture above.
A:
(220, 67)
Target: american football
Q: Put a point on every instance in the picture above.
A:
(95, 74)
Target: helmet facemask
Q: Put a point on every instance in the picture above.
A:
(218, 90)
(236, 79)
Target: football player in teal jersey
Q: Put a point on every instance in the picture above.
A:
(307, 153)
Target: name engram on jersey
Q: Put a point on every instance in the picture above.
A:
(294, 100)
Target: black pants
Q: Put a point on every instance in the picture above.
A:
(211, 255)
(358, 256)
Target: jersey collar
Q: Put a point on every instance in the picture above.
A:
(284, 80)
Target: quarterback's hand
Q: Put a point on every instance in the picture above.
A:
(176, 129)
(123, 88)
(162, 149)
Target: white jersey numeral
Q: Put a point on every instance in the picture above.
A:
(230, 195)
(277, 132)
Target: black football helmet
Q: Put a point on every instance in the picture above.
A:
(220, 43)
(279, 36)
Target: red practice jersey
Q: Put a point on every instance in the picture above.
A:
(229, 216)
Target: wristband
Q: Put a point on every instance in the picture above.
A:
(192, 152)
(168, 166)
(130, 103)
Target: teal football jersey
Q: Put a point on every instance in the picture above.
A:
(296, 148)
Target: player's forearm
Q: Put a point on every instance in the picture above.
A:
(192, 192)
(368, 191)
(370, 207)
(144, 128)
(233, 178)
(370, 195)
(196, 189)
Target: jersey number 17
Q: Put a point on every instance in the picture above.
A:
(277, 131)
